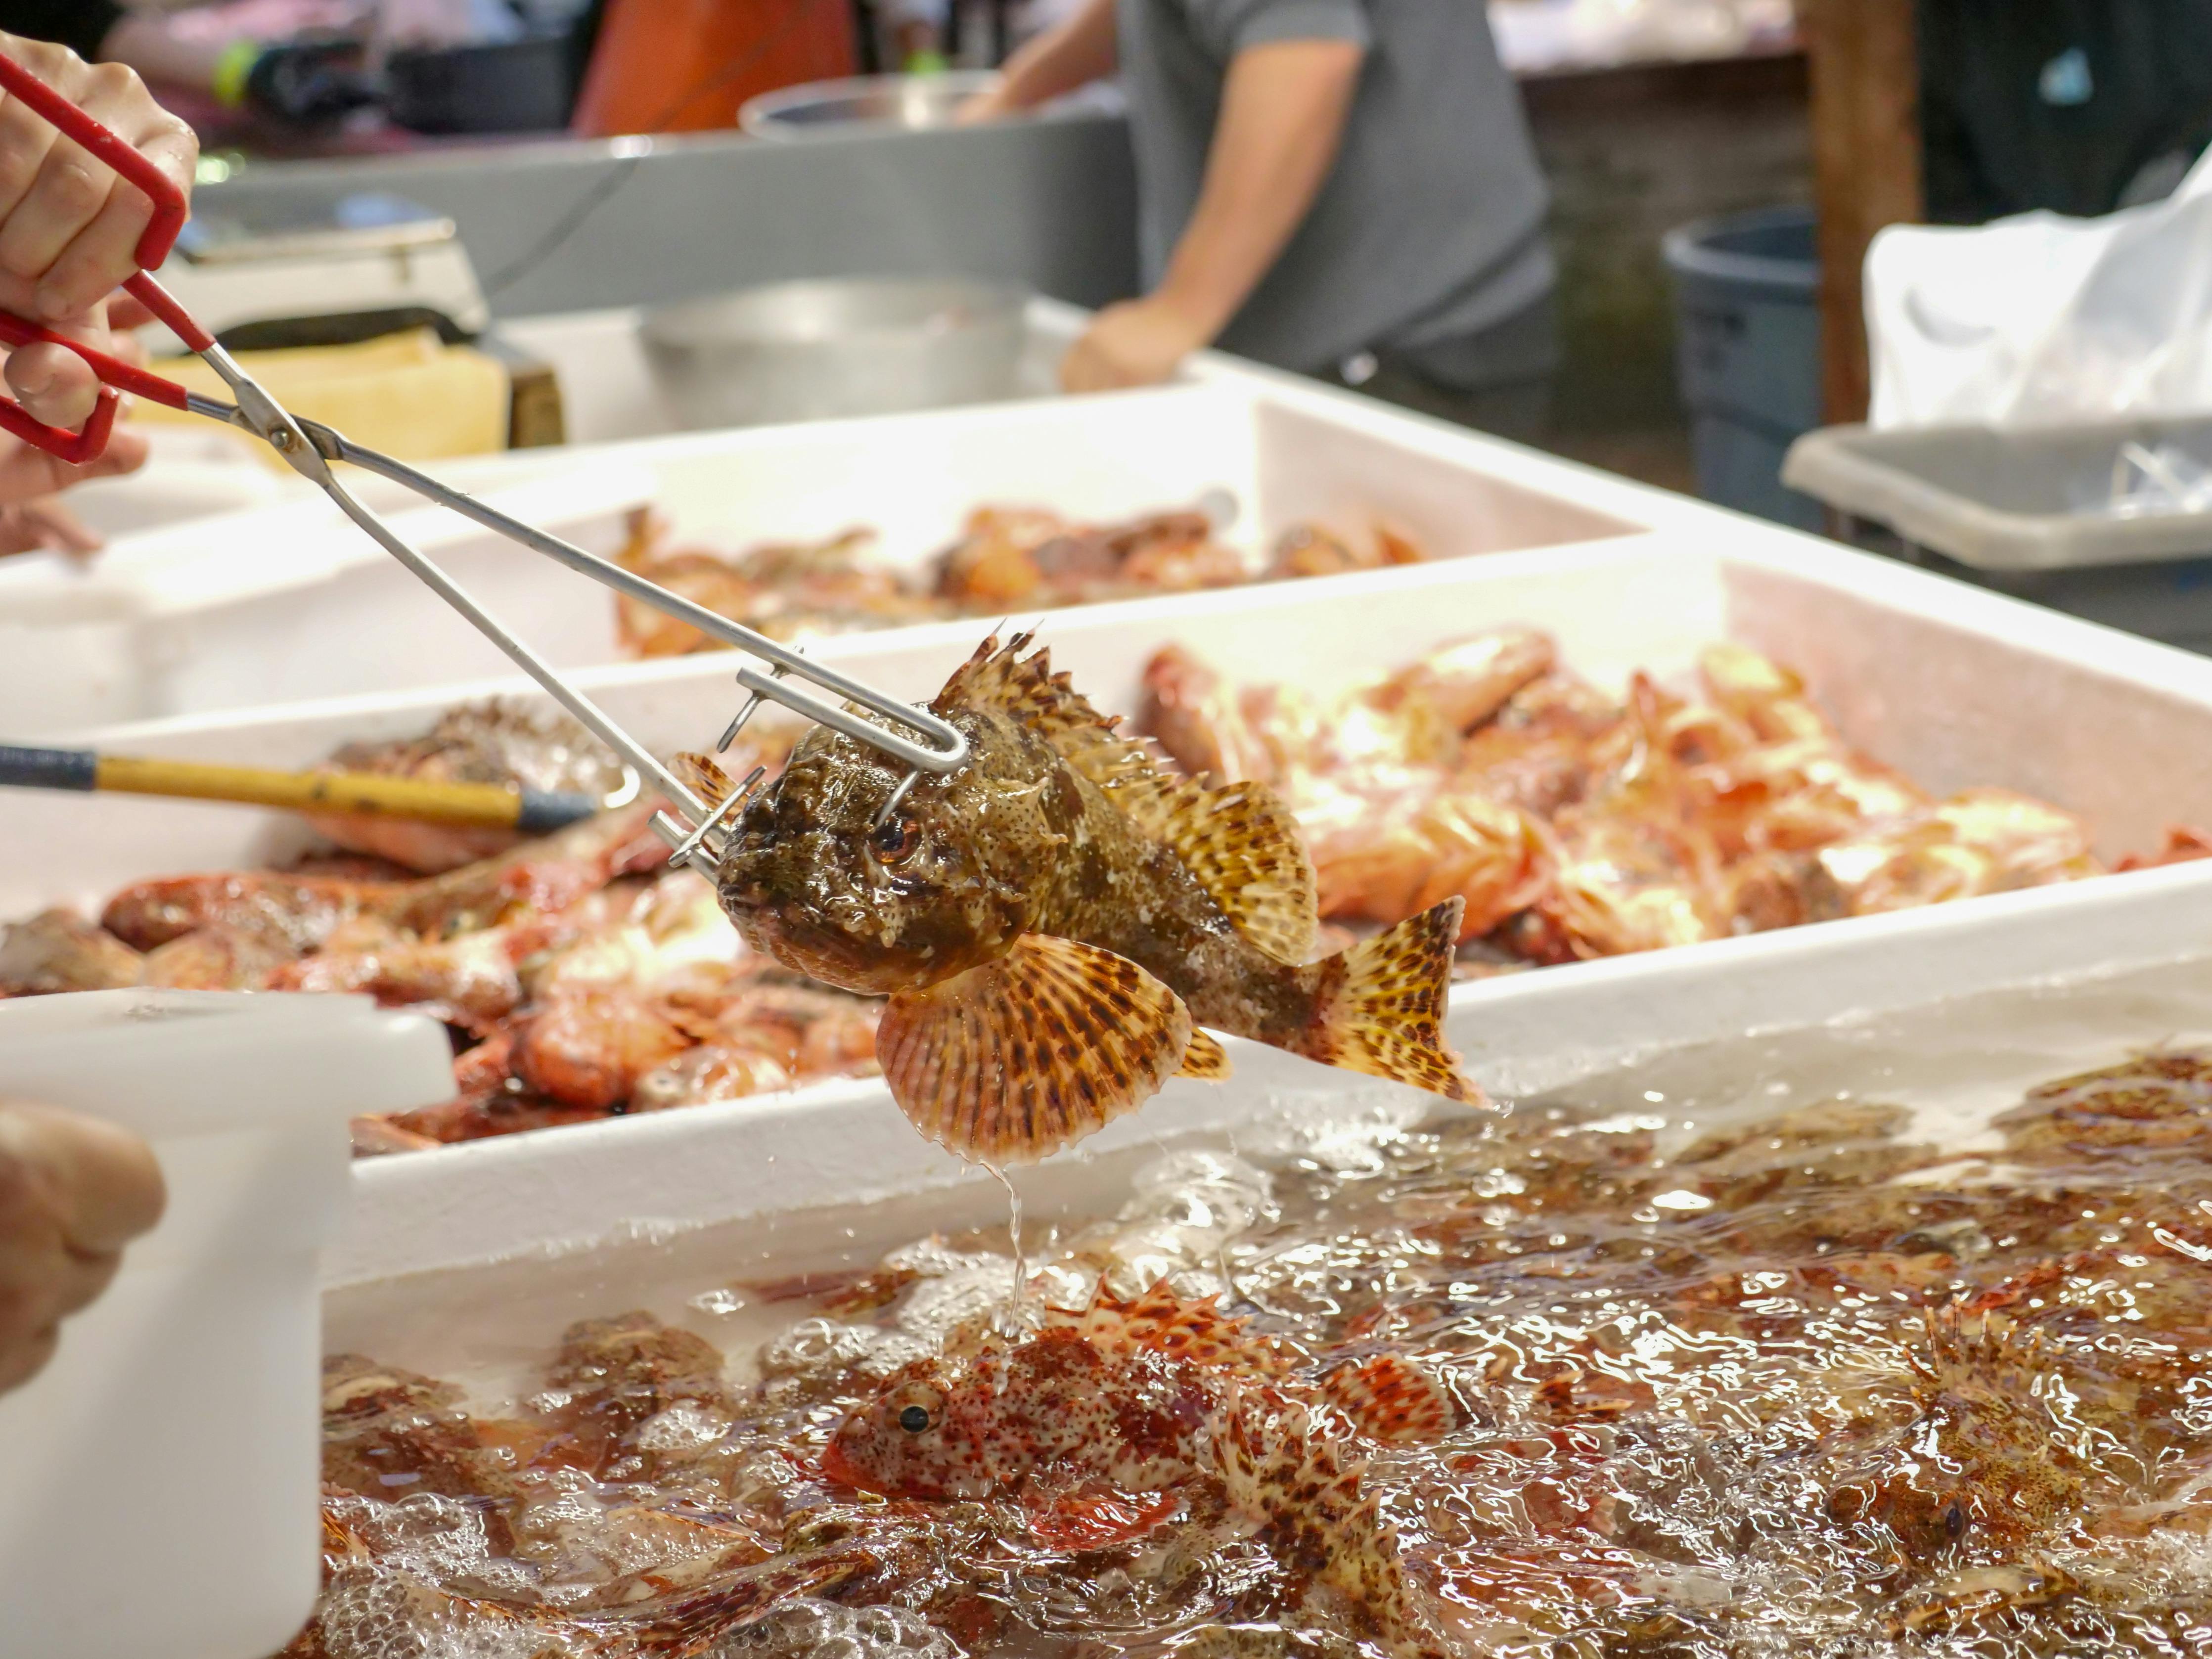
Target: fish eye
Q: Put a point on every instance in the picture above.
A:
(1954, 1522)
(894, 839)
(915, 1418)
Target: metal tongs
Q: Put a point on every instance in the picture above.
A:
(912, 736)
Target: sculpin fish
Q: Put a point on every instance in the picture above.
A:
(1054, 921)
(1100, 1425)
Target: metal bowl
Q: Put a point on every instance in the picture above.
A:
(865, 345)
(901, 103)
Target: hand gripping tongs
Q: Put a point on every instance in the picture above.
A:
(911, 735)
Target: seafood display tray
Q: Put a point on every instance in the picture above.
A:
(288, 601)
(1951, 684)
(1956, 1010)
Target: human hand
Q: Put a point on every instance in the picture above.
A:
(69, 227)
(1136, 343)
(73, 1192)
(994, 103)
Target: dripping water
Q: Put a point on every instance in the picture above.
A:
(1016, 1321)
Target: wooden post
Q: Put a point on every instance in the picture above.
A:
(1866, 164)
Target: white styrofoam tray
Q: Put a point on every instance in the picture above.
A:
(469, 1265)
(288, 601)
(1955, 685)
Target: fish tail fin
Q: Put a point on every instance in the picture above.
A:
(1379, 1006)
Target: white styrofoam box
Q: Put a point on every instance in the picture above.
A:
(1955, 685)
(468, 1261)
(290, 602)
(287, 601)
(158, 1480)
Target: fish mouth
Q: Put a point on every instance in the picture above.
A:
(837, 942)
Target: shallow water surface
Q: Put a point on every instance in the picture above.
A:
(1881, 1337)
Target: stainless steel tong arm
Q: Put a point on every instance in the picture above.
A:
(308, 446)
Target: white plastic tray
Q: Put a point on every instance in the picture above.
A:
(289, 602)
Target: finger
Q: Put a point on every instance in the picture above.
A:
(124, 314)
(106, 1180)
(1076, 369)
(52, 524)
(27, 473)
(65, 196)
(104, 254)
(55, 384)
(22, 1361)
(83, 1279)
(71, 190)
(25, 139)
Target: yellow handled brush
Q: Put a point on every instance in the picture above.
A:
(531, 811)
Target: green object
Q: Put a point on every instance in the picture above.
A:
(927, 61)
(232, 70)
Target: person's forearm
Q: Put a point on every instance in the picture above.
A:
(1080, 51)
(1282, 111)
(144, 42)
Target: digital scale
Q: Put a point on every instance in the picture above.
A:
(328, 273)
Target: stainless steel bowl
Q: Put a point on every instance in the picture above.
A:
(848, 345)
(903, 103)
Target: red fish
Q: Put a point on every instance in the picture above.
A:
(1098, 1421)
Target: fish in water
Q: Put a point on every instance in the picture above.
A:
(1097, 1423)
(1054, 921)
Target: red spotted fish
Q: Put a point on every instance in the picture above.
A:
(1055, 922)
(1097, 1423)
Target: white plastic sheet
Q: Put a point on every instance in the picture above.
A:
(2041, 320)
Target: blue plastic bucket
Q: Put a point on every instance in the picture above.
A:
(1748, 352)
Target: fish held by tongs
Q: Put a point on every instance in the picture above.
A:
(1055, 921)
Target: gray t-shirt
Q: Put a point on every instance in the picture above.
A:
(1430, 227)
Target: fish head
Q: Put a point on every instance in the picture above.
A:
(820, 877)
(981, 1426)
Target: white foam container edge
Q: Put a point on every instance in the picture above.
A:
(242, 610)
(158, 1480)
(571, 1192)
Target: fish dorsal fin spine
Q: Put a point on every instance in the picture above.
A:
(1242, 845)
(1160, 1321)
(1011, 1061)
(1026, 688)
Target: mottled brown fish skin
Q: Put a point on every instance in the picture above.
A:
(1016, 842)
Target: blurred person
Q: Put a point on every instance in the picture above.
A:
(2053, 104)
(73, 1192)
(920, 31)
(1327, 185)
(240, 53)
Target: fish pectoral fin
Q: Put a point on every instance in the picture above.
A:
(1205, 1059)
(1011, 1061)
(1392, 1399)
(1242, 845)
(1027, 688)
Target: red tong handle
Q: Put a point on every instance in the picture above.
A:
(170, 211)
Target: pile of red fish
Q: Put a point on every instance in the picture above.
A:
(1006, 558)
(1576, 824)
